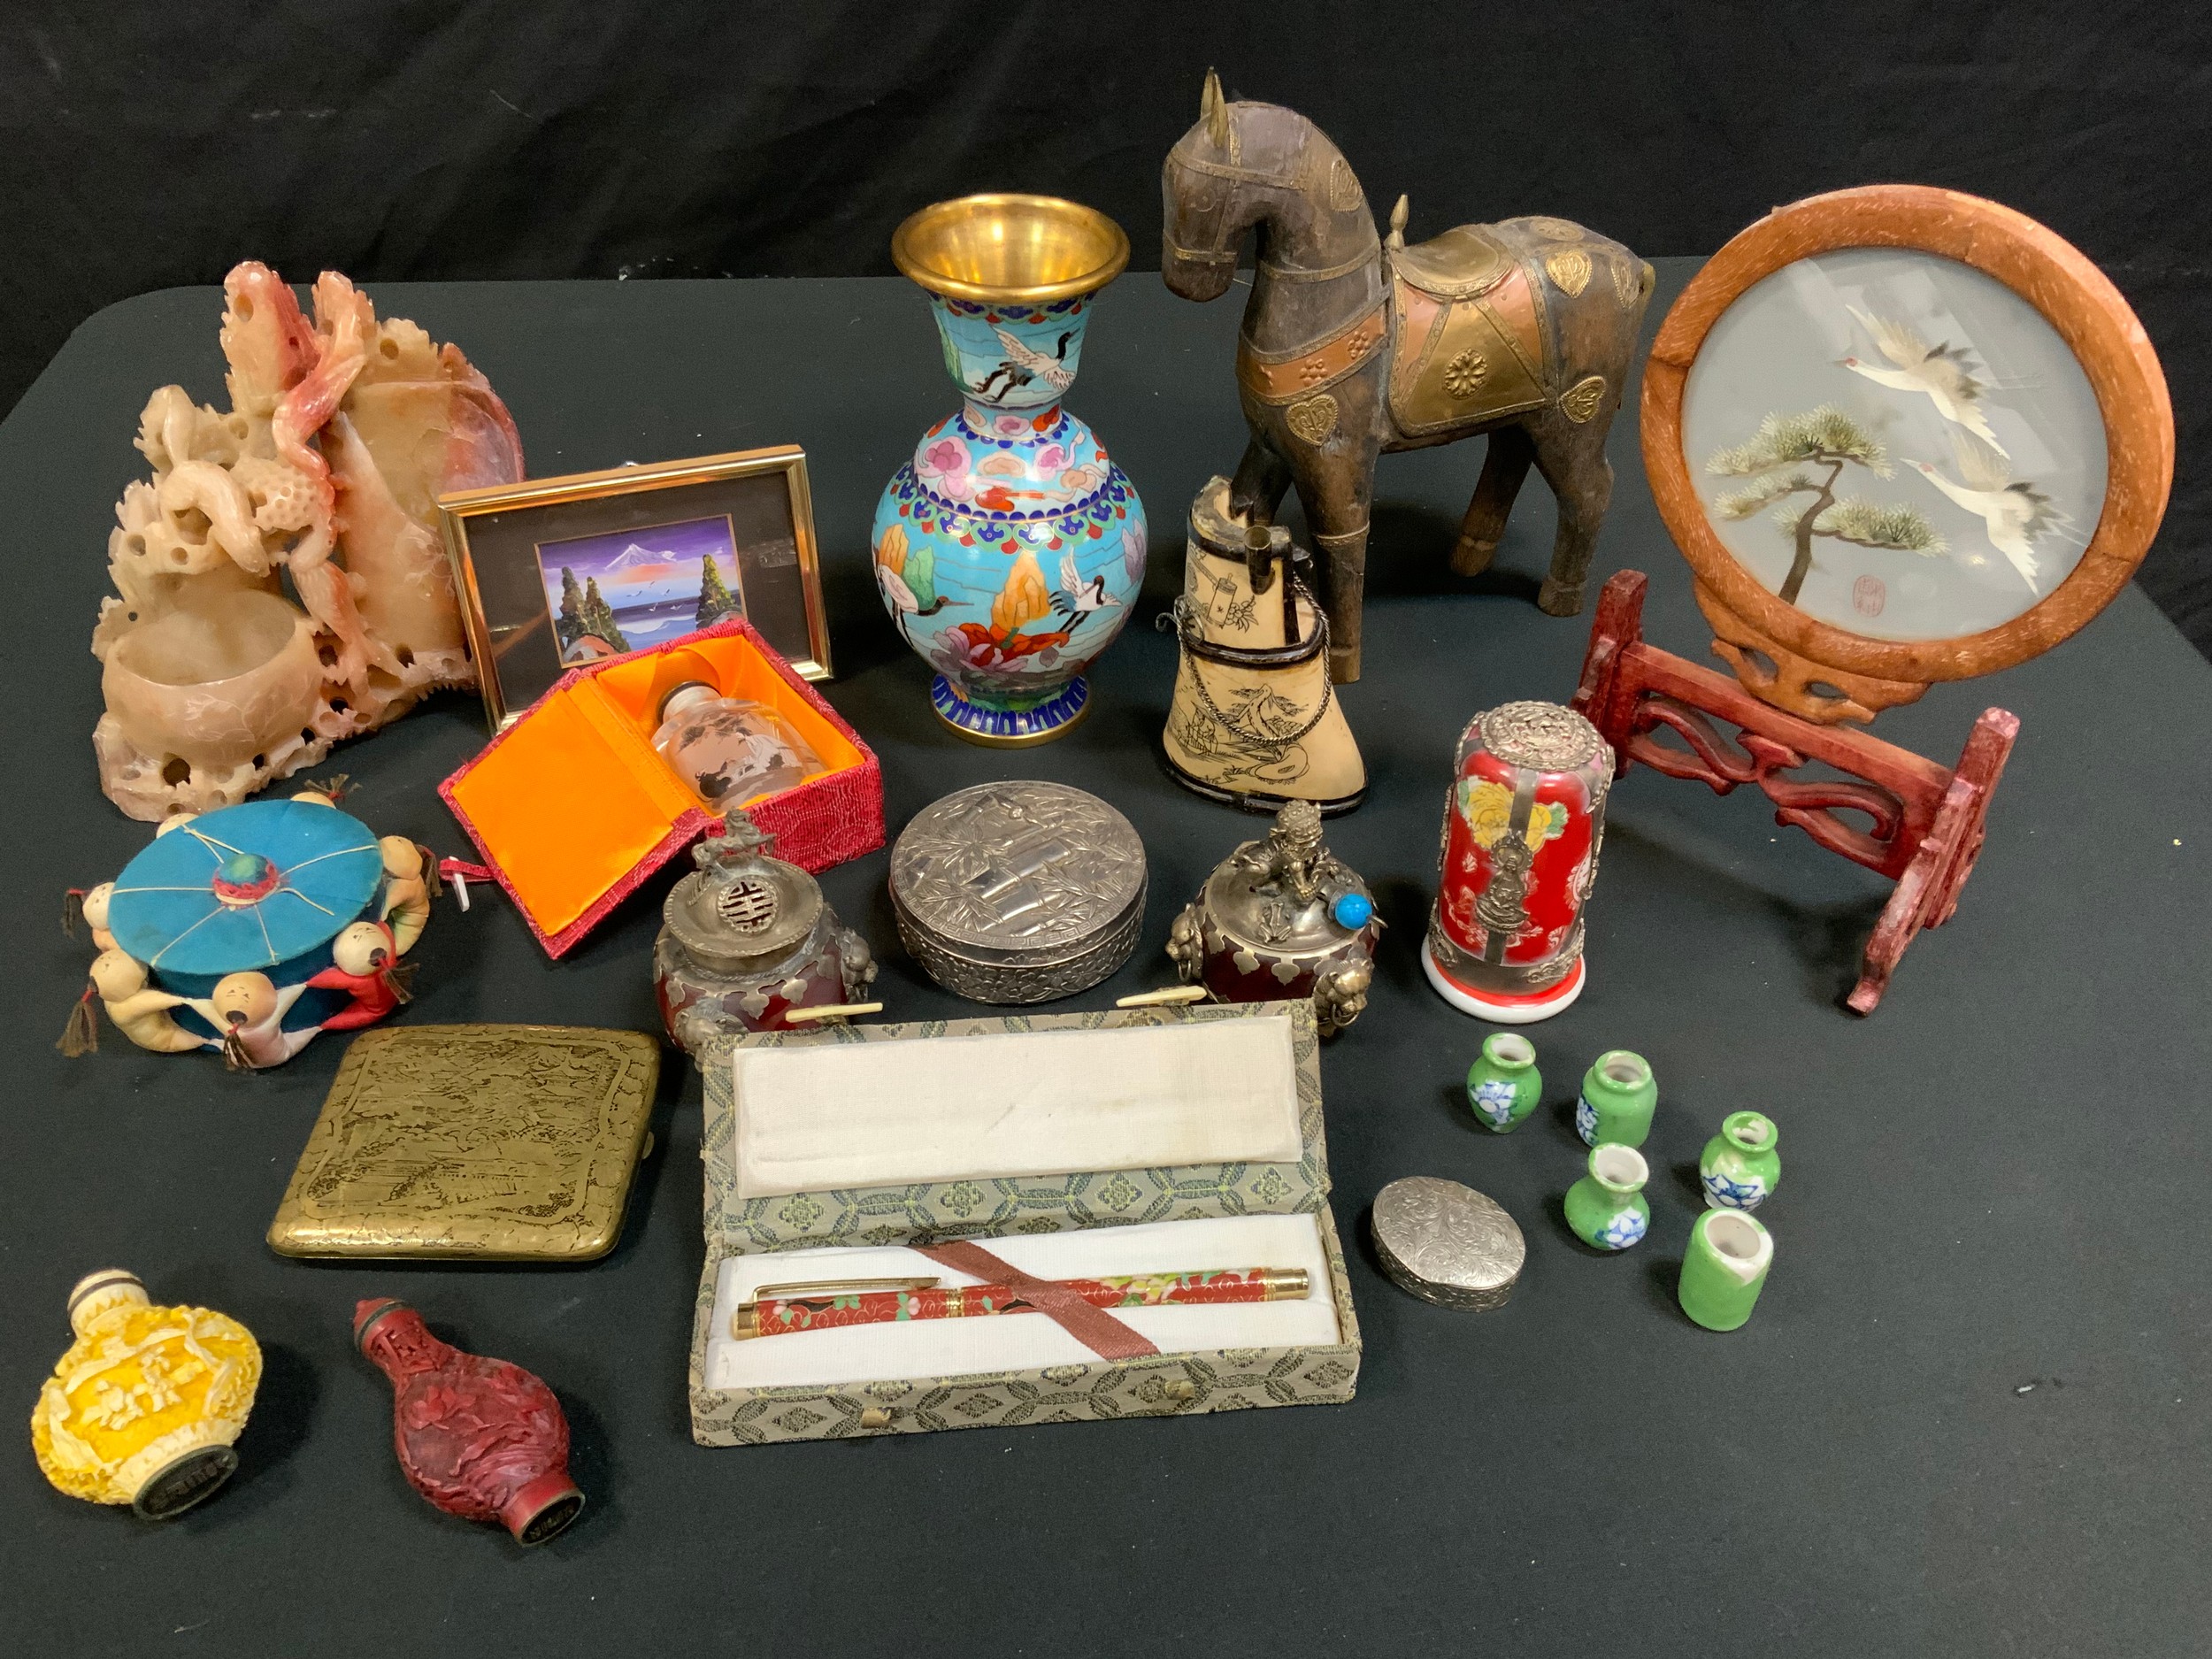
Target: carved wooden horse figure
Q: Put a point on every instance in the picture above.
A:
(1351, 346)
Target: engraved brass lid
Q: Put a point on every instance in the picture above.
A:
(484, 1142)
(1446, 1243)
(1019, 873)
(742, 911)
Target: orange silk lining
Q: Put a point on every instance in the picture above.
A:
(573, 797)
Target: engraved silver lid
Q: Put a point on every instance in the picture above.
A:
(742, 910)
(1017, 874)
(1280, 894)
(1542, 735)
(1446, 1243)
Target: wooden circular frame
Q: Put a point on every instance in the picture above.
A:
(2044, 269)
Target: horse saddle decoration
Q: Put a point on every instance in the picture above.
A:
(1469, 345)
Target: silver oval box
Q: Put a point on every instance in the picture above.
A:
(1446, 1243)
(1018, 892)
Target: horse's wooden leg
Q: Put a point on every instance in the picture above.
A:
(1335, 497)
(1572, 460)
(1257, 490)
(1503, 468)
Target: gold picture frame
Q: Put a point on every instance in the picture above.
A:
(748, 517)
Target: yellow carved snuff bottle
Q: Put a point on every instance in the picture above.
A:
(144, 1407)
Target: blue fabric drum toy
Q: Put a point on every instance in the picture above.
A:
(250, 930)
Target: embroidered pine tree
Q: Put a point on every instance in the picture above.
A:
(715, 599)
(570, 623)
(1816, 448)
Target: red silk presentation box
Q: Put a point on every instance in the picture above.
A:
(572, 808)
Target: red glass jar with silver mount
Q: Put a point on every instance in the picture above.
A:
(1522, 829)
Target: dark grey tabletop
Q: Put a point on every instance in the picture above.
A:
(1965, 1419)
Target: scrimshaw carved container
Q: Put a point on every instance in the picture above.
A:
(1523, 825)
(1255, 721)
(1215, 1130)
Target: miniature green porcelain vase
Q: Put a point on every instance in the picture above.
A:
(1606, 1208)
(1726, 1268)
(1618, 1095)
(1740, 1168)
(1503, 1086)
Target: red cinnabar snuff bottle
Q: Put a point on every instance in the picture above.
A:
(481, 1439)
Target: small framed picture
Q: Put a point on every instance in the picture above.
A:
(555, 572)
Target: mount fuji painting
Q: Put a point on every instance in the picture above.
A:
(633, 588)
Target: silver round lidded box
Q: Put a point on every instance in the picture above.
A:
(1018, 892)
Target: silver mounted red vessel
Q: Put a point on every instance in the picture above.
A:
(1522, 829)
(1280, 919)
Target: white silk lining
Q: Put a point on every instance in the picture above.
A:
(815, 1117)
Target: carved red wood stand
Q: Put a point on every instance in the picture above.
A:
(1927, 820)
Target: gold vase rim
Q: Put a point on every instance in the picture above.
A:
(1075, 250)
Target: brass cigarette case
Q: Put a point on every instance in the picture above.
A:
(494, 1143)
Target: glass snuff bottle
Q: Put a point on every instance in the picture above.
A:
(727, 751)
(746, 940)
(481, 1439)
(1280, 919)
(146, 1405)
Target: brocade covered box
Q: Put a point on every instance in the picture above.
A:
(1126, 1141)
(572, 808)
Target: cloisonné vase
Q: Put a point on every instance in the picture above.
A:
(1010, 548)
(1503, 1084)
(1741, 1166)
(1619, 1094)
(1607, 1209)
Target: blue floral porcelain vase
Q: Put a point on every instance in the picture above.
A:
(1010, 548)
(1607, 1209)
(1503, 1086)
(1741, 1166)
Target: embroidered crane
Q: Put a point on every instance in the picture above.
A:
(2013, 510)
(1945, 373)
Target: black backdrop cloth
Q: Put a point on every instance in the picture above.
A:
(1964, 1420)
(151, 144)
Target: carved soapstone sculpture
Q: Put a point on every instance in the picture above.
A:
(280, 581)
